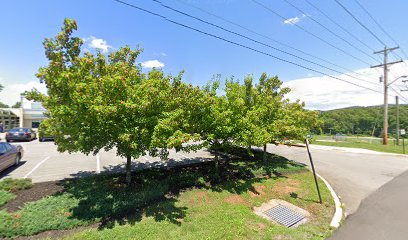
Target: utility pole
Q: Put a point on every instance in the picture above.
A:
(398, 127)
(385, 66)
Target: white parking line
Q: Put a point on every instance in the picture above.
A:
(36, 166)
(98, 163)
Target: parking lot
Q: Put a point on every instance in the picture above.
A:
(42, 162)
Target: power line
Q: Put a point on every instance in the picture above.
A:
(267, 37)
(360, 23)
(383, 30)
(379, 25)
(310, 33)
(372, 33)
(399, 94)
(256, 41)
(339, 25)
(240, 45)
(329, 30)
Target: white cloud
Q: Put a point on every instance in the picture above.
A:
(324, 93)
(295, 20)
(164, 54)
(98, 43)
(152, 64)
(11, 92)
(292, 21)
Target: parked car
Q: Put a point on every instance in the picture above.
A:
(10, 155)
(44, 134)
(20, 134)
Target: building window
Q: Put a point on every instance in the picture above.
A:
(35, 124)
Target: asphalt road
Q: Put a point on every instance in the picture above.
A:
(381, 216)
(353, 175)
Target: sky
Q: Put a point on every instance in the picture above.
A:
(107, 25)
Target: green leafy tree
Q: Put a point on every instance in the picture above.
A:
(99, 102)
(274, 118)
(17, 105)
(216, 125)
(2, 105)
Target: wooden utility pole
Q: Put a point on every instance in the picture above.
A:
(398, 127)
(385, 66)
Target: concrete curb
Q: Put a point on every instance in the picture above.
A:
(338, 214)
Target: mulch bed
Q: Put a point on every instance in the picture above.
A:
(36, 192)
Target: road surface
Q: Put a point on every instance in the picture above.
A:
(353, 175)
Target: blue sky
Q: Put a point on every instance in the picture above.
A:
(25, 24)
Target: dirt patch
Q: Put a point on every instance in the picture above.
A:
(286, 187)
(203, 196)
(260, 189)
(261, 225)
(36, 192)
(236, 199)
(257, 191)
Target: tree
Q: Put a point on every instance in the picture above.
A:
(17, 105)
(274, 117)
(99, 102)
(216, 124)
(2, 105)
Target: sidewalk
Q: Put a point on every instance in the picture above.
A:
(382, 215)
(353, 150)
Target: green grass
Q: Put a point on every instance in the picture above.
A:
(186, 202)
(375, 144)
(226, 214)
(9, 185)
(5, 197)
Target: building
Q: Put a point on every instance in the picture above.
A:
(29, 115)
(9, 118)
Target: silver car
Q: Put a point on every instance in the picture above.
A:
(10, 155)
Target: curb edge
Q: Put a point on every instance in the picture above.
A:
(338, 214)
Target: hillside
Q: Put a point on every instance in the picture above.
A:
(362, 120)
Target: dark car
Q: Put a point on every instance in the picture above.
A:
(44, 135)
(10, 155)
(20, 134)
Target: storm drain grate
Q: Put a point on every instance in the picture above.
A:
(284, 215)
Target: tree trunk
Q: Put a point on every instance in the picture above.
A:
(217, 162)
(128, 170)
(372, 133)
(264, 152)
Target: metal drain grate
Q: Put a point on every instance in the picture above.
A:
(284, 215)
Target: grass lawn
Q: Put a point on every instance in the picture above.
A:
(366, 144)
(8, 186)
(179, 203)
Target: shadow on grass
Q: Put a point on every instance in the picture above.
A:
(155, 186)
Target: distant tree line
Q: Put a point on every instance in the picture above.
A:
(361, 120)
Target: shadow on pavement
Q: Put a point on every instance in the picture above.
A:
(5, 173)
